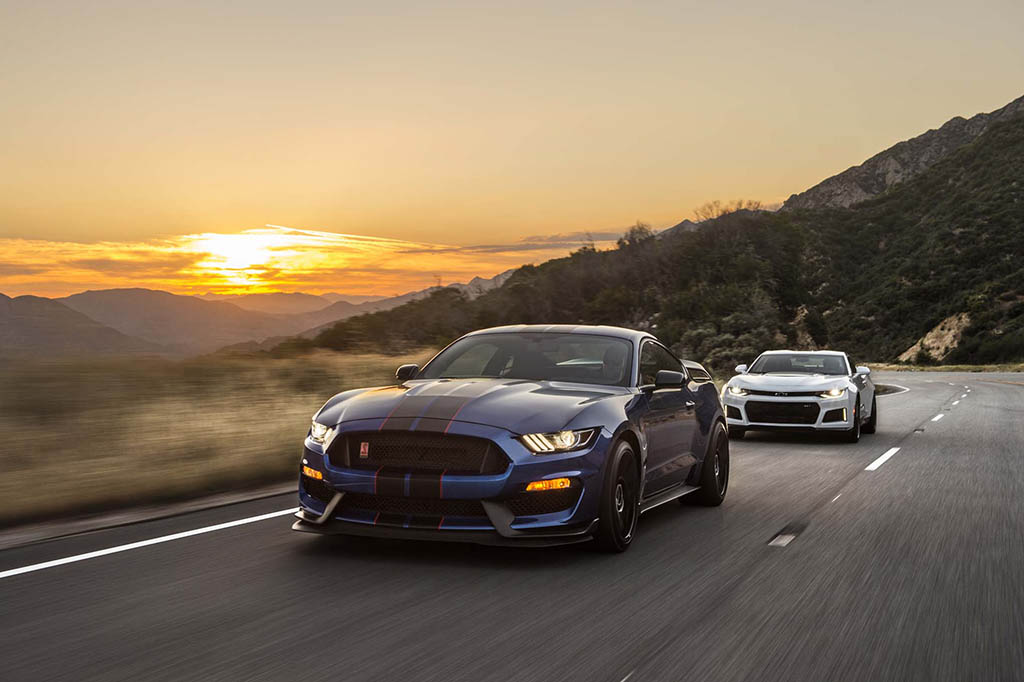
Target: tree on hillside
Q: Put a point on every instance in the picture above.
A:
(638, 233)
(716, 209)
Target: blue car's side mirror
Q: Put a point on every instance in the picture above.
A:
(666, 378)
(406, 372)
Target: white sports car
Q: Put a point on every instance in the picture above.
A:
(784, 389)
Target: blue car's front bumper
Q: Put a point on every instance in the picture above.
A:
(482, 508)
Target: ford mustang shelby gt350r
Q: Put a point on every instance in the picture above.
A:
(819, 390)
(518, 435)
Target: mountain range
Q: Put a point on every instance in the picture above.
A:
(123, 321)
(918, 253)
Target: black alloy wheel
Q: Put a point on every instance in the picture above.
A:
(620, 501)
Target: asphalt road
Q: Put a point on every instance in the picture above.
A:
(911, 571)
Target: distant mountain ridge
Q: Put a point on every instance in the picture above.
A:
(899, 163)
(134, 320)
(30, 325)
(275, 303)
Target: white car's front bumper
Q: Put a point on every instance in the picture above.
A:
(788, 412)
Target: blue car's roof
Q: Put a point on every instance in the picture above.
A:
(603, 330)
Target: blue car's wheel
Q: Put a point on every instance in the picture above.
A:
(714, 474)
(620, 501)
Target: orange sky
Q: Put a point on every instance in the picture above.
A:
(272, 258)
(126, 128)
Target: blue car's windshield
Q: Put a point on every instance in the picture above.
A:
(799, 363)
(582, 358)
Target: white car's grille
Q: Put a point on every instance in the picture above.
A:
(782, 412)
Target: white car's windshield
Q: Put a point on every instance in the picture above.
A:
(581, 358)
(799, 363)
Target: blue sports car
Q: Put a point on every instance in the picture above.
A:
(536, 434)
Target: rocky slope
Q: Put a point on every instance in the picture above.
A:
(900, 162)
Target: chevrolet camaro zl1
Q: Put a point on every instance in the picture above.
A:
(820, 390)
(534, 435)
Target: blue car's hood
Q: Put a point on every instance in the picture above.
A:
(517, 405)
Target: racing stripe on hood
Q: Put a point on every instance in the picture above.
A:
(439, 417)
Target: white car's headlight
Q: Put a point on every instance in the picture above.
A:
(838, 392)
(737, 390)
(321, 433)
(562, 441)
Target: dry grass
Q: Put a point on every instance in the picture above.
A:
(85, 436)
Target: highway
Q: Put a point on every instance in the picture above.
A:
(828, 561)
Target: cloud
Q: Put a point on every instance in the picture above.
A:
(10, 269)
(576, 237)
(269, 258)
(143, 265)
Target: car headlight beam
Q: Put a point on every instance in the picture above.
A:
(560, 441)
(837, 392)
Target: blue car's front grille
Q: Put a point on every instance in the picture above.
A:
(411, 506)
(418, 452)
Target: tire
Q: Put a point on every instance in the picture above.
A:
(872, 423)
(620, 501)
(714, 472)
(737, 432)
(852, 434)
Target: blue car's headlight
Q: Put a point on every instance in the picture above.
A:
(321, 433)
(562, 441)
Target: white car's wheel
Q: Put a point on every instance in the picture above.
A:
(852, 435)
(872, 422)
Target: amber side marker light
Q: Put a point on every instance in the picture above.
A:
(550, 484)
(312, 473)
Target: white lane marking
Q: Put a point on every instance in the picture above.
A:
(956, 402)
(968, 390)
(781, 540)
(837, 497)
(903, 389)
(952, 384)
(963, 396)
(938, 417)
(143, 543)
(881, 460)
(628, 676)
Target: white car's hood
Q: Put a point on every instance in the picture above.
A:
(787, 382)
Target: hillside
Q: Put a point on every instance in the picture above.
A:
(872, 279)
(275, 303)
(900, 162)
(184, 324)
(30, 325)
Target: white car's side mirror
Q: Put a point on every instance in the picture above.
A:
(863, 371)
(741, 369)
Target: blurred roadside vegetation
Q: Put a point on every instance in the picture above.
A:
(84, 436)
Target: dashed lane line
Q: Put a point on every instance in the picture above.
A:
(881, 460)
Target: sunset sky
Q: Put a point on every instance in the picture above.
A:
(164, 145)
